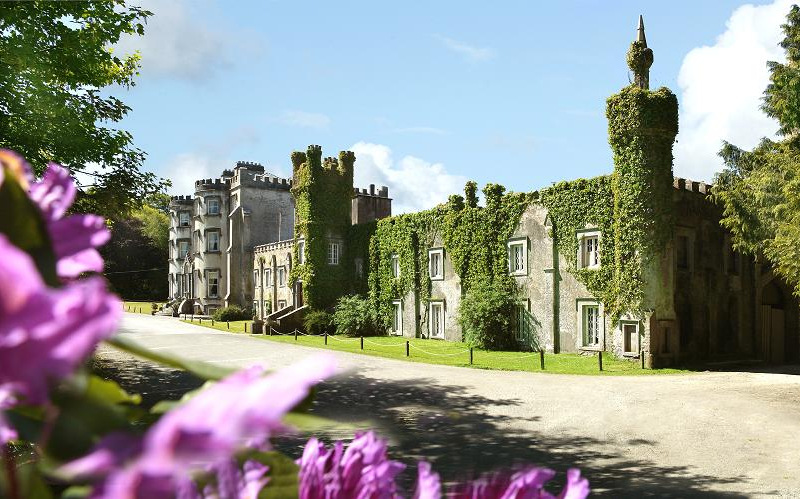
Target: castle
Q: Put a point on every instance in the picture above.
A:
(634, 263)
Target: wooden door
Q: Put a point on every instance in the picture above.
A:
(778, 333)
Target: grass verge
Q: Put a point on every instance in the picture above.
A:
(139, 307)
(452, 353)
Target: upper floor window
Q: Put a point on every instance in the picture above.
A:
(212, 240)
(267, 277)
(234, 201)
(183, 218)
(518, 257)
(183, 249)
(281, 276)
(589, 249)
(212, 283)
(255, 279)
(395, 266)
(212, 206)
(333, 253)
(436, 264)
(301, 252)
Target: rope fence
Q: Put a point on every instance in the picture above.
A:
(408, 346)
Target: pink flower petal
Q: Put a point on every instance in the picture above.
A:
(54, 193)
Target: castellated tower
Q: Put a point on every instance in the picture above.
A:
(323, 193)
(642, 125)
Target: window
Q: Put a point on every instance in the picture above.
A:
(210, 310)
(212, 284)
(591, 324)
(281, 304)
(682, 256)
(359, 267)
(183, 249)
(255, 279)
(436, 264)
(333, 253)
(212, 206)
(267, 307)
(267, 277)
(301, 252)
(212, 240)
(630, 337)
(517, 257)
(395, 266)
(183, 218)
(255, 309)
(588, 249)
(281, 276)
(397, 317)
(234, 201)
(523, 325)
(436, 323)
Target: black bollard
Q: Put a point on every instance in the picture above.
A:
(600, 359)
(541, 359)
(295, 335)
(228, 323)
(406, 348)
(245, 327)
(470, 355)
(641, 354)
(326, 338)
(362, 343)
(212, 322)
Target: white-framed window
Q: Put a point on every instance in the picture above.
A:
(522, 321)
(255, 279)
(333, 253)
(267, 307)
(630, 337)
(183, 218)
(267, 277)
(395, 266)
(301, 252)
(436, 264)
(212, 206)
(359, 263)
(589, 249)
(591, 323)
(518, 256)
(183, 249)
(281, 276)
(281, 304)
(212, 284)
(397, 317)
(212, 240)
(436, 319)
(256, 310)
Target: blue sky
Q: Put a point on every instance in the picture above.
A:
(432, 94)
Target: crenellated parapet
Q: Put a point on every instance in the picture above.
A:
(383, 192)
(181, 200)
(686, 185)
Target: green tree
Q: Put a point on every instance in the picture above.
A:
(759, 190)
(155, 226)
(56, 66)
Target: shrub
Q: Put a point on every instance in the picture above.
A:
(154, 306)
(232, 313)
(319, 322)
(354, 316)
(486, 316)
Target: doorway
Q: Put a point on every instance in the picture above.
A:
(773, 324)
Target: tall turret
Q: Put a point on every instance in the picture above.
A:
(642, 125)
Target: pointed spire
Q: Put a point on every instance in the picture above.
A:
(640, 32)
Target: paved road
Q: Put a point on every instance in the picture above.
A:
(732, 434)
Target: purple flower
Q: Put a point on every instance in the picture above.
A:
(362, 471)
(243, 410)
(75, 237)
(528, 483)
(7, 432)
(428, 483)
(45, 334)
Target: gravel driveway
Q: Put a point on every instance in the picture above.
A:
(715, 434)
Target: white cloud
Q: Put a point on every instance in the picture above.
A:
(469, 52)
(184, 169)
(414, 184)
(721, 88)
(305, 119)
(178, 44)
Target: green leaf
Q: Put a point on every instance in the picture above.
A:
(282, 474)
(26, 228)
(201, 369)
(311, 424)
(110, 391)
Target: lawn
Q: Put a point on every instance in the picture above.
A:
(455, 353)
(139, 307)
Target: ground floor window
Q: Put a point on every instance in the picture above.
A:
(397, 317)
(267, 307)
(630, 337)
(210, 310)
(256, 311)
(590, 321)
(523, 325)
(281, 304)
(436, 326)
(212, 284)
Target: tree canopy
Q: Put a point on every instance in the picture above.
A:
(759, 190)
(57, 66)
